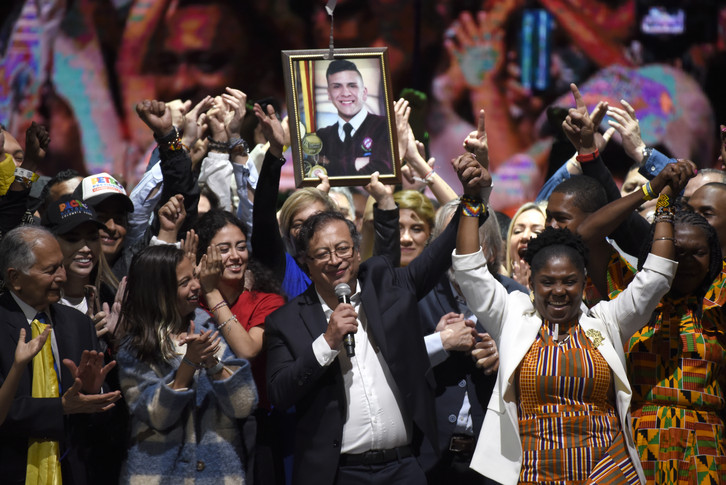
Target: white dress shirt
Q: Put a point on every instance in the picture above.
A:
(375, 419)
(355, 122)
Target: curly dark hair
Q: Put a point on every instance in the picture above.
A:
(555, 242)
(685, 216)
(209, 224)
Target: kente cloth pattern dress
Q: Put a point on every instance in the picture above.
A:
(568, 423)
(676, 367)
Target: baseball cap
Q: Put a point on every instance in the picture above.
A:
(96, 188)
(67, 213)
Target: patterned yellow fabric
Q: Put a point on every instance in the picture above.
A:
(568, 425)
(43, 456)
(675, 364)
(716, 296)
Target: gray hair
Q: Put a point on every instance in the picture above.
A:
(345, 191)
(489, 234)
(16, 248)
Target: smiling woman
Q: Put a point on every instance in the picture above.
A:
(185, 390)
(560, 368)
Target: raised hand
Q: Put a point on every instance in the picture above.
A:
(156, 115)
(171, 218)
(476, 142)
(477, 47)
(210, 269)
(236, 102)
(36, 145)
(25, 351)
(381, 193)
(189, 245)
(402, 111)
(90, 371)
(100, 320)
(471, 174)
(579, 126)
(195, 122)
(115, 310)
(520, 271)
(324, 185)
(626, 123)
(271, 128)
(216, 121)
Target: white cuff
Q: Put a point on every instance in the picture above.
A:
(435, 349)
(323, 353)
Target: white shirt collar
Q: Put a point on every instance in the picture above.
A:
(355, 121)
(28, 310)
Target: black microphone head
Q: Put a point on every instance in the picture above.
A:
(342, 289)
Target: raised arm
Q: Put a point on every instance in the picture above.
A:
(266, 238)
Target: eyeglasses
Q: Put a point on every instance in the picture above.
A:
(342, 252)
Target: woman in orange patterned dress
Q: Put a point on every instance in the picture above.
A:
(560, 409)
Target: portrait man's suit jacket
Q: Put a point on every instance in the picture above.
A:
(371, 140)
(43, 417)
(389, 298)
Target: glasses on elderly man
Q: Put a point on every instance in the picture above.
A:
(342, 252)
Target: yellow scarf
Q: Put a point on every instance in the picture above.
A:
(43, 456)
(7, 173)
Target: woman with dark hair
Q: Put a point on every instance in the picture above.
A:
(183, 419)
(239, 300)
(238, 295)
(560, 408)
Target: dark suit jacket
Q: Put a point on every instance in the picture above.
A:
(390, 298)
(370, 140)
(458, 374)
(43, 417)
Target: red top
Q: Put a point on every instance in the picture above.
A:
(251, 309)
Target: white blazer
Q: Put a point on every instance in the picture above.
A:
(513, 323)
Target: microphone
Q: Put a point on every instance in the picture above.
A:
(342, 291)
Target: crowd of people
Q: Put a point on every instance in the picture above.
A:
(186, 331)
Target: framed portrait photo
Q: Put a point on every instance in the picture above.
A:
(341, 116)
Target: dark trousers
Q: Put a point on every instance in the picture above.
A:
(405, 471)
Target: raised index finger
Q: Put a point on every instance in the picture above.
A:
(481, 124)
(579, 102)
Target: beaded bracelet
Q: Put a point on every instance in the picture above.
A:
(663, 202)
(471, 207)
(226, 322)
(648, 193)
(664, 217)
(219, 146)
(219, 305)
(588, 157)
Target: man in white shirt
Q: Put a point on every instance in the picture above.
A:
(361, 417)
